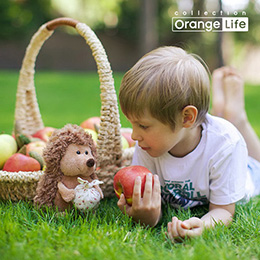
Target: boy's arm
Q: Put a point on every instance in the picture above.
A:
(194, 226)
(219, 213)
(146, 210)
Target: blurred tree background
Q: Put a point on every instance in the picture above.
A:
(130, 28)
(18, 17)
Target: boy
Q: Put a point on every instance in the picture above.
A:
(196, 158)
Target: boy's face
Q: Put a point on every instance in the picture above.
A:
(156, 138)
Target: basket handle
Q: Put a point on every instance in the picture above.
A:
(53, 24)
(27, 114)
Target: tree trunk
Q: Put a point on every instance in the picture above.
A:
(219, 41)
(148, 31)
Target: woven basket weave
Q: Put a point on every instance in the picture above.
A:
(111, 156)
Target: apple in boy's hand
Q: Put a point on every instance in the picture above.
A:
(44, 133)
(91, 123)
(20, 162)
(36, 146)
(124, 181)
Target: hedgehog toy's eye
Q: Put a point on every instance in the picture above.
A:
(86, 152)
(78, 152)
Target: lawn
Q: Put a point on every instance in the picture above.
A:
(63, 97)
(26, 233)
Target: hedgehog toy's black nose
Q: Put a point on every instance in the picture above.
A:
(90, 162)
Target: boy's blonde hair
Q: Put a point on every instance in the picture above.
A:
(163, 82)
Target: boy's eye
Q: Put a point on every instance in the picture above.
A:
(143, 126)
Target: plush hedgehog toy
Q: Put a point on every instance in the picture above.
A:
(69, 178)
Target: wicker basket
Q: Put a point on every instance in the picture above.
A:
(111, 157)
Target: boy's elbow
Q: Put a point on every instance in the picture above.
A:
(230, 208)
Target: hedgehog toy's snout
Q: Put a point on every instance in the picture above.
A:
(90, 162)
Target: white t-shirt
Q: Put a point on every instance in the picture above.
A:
(215, 171)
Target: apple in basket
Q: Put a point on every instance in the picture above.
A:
(124, 142)
(36, 146)
(20, 162)
(124, 181)
(92, 123)
(8, 147)
(95, 137)
(44, 133)
(127, 134)
(92, 133)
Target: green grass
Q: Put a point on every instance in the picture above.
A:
(26, 233)
(66, 97)
(63, 97)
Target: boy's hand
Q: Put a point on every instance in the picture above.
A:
(147, 210)
(188, 228)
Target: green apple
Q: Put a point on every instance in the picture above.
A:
(92, 133)
(8, 147)
(9, 139)
(127, 133)
(124, 142)
(5, 152)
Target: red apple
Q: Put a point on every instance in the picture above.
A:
(44, 134)
(91, 123)
(124, 181)
(127, 134)
(20, 162)
(36, 146)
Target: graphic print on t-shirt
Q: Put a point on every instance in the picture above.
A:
(182, 194)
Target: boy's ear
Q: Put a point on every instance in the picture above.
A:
(189, 116)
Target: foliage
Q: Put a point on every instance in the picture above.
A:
(19, 17)
(92, 12)
(252, 36)
(128, 20)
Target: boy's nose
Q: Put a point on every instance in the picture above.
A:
(135, 136)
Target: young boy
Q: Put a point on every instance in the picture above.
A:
(196, 158)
